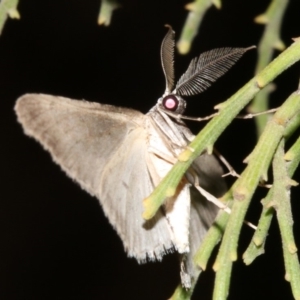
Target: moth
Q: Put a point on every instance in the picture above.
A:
(120, 155)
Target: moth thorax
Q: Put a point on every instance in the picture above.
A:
(173, 103)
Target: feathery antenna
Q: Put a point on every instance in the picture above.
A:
(167, 58)
(206, 69)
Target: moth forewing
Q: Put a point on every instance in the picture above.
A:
(103, 148)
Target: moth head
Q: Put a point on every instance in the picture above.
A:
(172, 103)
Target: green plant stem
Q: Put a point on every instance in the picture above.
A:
(281, 203)
(269, 41)
(207, 137)
(106, 10)
(197, 9)
(256, 246)
(181, 293)
(243, 190)
(8, 8)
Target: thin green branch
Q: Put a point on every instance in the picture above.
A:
(243, 190)
(8, 8)
(207, 137)
(293, 157)
(197, 10)
(271, 36)
(256, 246)
(281, 203)
(269, 41)
(106, 10)
(292, 127)
(181, 293)
(223, 279)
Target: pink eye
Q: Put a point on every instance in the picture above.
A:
(170, 102)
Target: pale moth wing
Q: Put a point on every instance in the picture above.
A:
(120, 155)
(103, 148)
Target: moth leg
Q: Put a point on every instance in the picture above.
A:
(206, 194)
(232, 172)
(183, 117)
(206, 118)
(163, 155)
(215, 200)
(252, 115)
(230, 169)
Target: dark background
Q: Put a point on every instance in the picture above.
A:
(55, 242)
